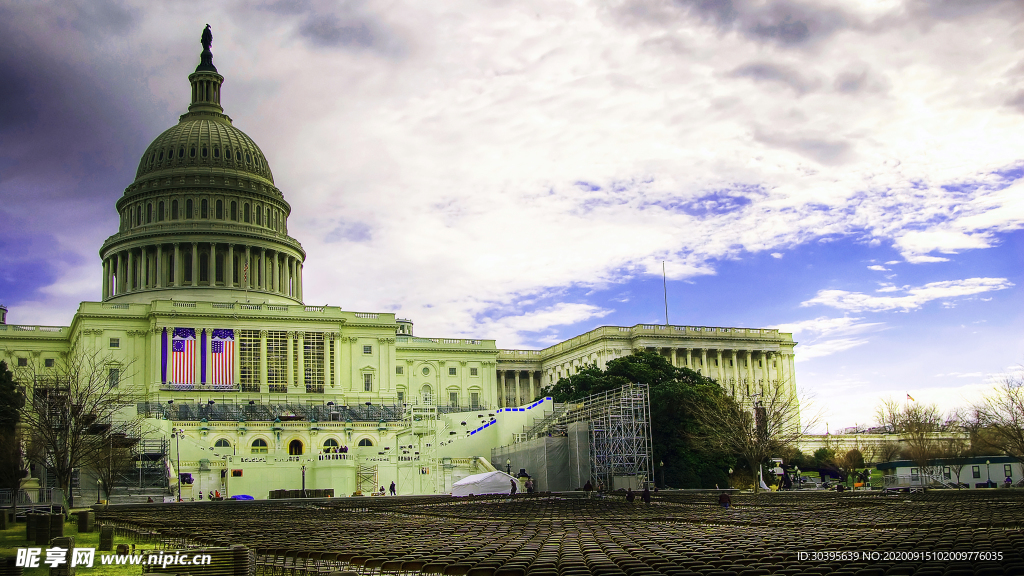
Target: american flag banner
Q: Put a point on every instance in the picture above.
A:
(183, 356)
(222, 353)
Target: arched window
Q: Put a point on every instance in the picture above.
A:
(174, 209)
(192, 152)
(366, 442)
(204, 267)
(246, 213)
(330, 444)
(181, 151)
(259, 216)
(149, 213)
(238, 156)
(295, 448)
(234, 211)
(188, 208)
(161, 155)
(220, 209)
(204, 152)
(259, 446)
(223, 443)
(268, 218)
(138, 215)
(216, 151)
(160, 212)
(204, 208)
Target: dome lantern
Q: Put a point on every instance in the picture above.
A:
(205, 80)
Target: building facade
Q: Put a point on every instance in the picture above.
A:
(202, 319)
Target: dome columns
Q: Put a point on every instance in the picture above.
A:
(202, 265)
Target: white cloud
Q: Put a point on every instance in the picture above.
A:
(913, 299)
(878, 267)
(824, 336)
(776, 255)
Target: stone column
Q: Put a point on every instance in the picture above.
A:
(264, 280)
(131, 270)
(500, 383)
(213, 264)
(299, 276)
(301, 376)
(247, 271)
(337, 361)
(735, 370)
(276, 275)
(750, 373)
(177, 266)
(534, 388)
(106, 278)
(519, 390)
(195, 264)
(689, 359)
(160, 266)
(721, 368)
(674, 357)
(704, 362)
(264, 387)
(229, 267)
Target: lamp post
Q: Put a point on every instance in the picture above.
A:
(303, 480)
(661, 472)
(176, 433)
(508, 466)
(99, 484)
(988, 472)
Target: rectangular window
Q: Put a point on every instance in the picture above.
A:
(474, 400)
(115, 342)
(249, 359)
(277, 361)
(451, 371)
(453, 398)
(22, 362)
(399, 370)
(113, 377)
(401, 397)
(473, 372)
(947, 473)
(236, 473)
(313, 357)
(976, 471)
(914, 474)
(367, 382)
(48, 362)
(367, 349)
(1007, 471)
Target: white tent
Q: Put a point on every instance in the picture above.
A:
(486, 483)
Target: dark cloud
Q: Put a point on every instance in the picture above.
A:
(859, 80)
(782, 22)
(329, 31)
(350, 31)
(822, 150)
(27, 260)
(350, 232)
(768, 72)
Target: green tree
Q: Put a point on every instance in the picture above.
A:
(12, 463)
(674, 393)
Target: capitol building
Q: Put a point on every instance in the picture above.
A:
(241, 388)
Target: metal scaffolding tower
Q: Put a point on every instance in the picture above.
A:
(620, 434)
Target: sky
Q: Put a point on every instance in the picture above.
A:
(850, 172)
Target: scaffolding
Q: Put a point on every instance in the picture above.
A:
(619, 423)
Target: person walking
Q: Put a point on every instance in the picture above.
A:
(512, 492)
(646, 495)
(725, 500)
(630, 495)
(394, 491)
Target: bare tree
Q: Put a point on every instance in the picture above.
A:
(116, 459)
(70, 410)
(884, 451)
(918, 425)
(1002, 415)
(766, 425)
